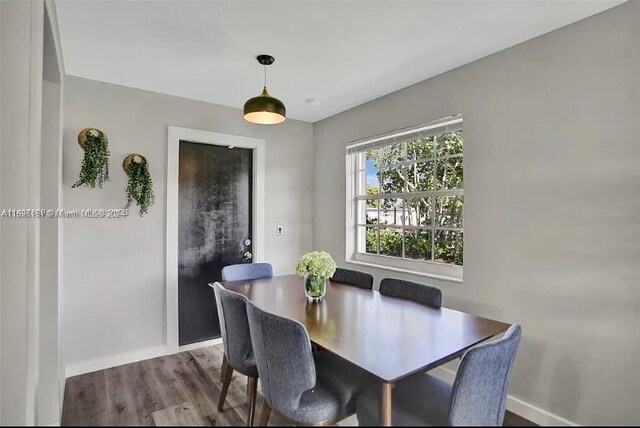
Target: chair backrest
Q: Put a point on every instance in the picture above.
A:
(413, 291)
(247, 271)
(353, 277)
(481, 385)
(284, 359)
(234, 326)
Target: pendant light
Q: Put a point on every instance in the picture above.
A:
(264, 109)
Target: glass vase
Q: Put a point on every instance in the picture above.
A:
(315, 287)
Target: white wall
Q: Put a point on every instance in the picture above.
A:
(21, 38)
(49, 392)
(114, 285)
(552, 205)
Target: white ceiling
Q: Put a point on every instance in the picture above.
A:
(330, 55)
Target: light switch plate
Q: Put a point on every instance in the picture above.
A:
(280, 230)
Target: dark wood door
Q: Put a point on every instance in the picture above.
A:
(214, 221)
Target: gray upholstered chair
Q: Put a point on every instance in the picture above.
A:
(413, 291)
(477, 397)
(353, 277)
(236, 339)
(304, 387)
(247, 271)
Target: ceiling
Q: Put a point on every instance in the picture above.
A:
(330, 55)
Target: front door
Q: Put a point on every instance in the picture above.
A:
(214, 221)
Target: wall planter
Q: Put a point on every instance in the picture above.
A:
(95, 164)
(139, 184)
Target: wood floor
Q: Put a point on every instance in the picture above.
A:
(181, 389)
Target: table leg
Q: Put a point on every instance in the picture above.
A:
(385, 404)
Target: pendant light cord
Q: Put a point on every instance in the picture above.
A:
(265, 76)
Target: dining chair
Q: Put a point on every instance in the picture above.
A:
(477, 397)
(413, 291)
(304, 387)
(247, 271)
(236, 339)
(353, 277)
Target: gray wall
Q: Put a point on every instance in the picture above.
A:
(552, 205)
(114, 290)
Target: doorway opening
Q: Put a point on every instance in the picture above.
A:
(215, 217)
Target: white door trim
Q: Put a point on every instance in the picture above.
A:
(175, 135)
(33, 200)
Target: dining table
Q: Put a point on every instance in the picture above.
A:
(388, 337)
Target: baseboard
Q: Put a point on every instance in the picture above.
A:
(198, 345)
(62, 389)
(95, 364)
(521, 408)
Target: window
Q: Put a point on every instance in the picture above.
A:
(407, 198)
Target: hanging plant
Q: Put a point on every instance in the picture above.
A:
(95, 164)
(140, 185)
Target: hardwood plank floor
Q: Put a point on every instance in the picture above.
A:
(184, 414)
(181, 389)
(175, 390)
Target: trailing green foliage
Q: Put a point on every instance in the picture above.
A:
(95, 163)
(139, 186)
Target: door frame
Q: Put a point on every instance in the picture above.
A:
(175, 135)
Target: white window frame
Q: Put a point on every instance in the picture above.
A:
(432, 269)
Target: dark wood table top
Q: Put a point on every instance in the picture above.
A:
(388, 337)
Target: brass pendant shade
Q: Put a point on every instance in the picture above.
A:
(265, 109)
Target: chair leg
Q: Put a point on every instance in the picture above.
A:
(253, 387)
(225, 387)
(266, 412)
(224, 367)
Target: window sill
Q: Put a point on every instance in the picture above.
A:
(406, 271)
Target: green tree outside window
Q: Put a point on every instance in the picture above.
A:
(421, 227)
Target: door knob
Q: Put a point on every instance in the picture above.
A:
(247, 256)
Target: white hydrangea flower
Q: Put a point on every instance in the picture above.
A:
(319, 263)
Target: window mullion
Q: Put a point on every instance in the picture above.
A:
(423, 194)
(434, 170)
(404, 235)
(378, 210)
(408, 162)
